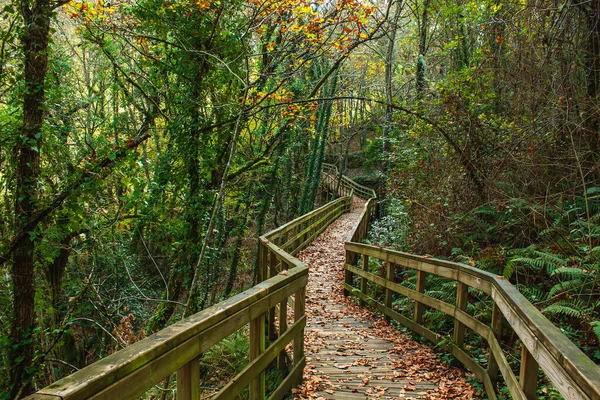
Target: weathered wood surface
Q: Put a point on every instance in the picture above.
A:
(544, 346)
(349, 355)
(131, 372)
(341, 184)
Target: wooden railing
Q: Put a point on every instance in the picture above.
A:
(543, 347)
(342, 185)
(129, 373)
(134, 370)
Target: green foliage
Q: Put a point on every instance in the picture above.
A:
(392, 230)
(535, 260)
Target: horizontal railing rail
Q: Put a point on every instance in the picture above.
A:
(544, 346)
(343, 184)
(131, 372)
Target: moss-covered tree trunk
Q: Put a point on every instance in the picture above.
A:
(34, 42)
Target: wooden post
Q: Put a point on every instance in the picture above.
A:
(528, 374)
(299, 299)
(257, 346)
(188, 381)
(271, 315)
(282, 328)
(350, 260)
(497, 330)
(418, 316)
(262, 261)
(363, 281)
(462, 294)
(390, 276)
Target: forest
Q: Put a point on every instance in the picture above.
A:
(146, 145)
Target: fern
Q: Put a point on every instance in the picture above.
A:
(565, 286)
(534, 293)
(509, 268)
(596, 329)
(567, 308)
(570, 272)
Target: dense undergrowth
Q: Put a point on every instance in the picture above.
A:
(555, 264)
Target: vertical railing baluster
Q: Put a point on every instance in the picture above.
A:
(420, 287)
(282, 328)
(390, 276)
(262, 261)
(528, 374)
(257, 347)
(299, 300)
(462, 295)
(188, 381)
(497, 331)
(271, 314)
(351, 259)
(364, 281)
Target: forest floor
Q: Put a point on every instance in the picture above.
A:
(353, 354)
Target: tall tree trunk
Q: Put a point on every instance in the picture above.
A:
(389, 89)
(592, 64)
(36, 19)
(421, 63)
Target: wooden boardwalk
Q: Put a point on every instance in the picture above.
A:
(351, 355)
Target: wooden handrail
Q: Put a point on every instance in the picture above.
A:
(345, 183)
(544, 346)
(132, 371)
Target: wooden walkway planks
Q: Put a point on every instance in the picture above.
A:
(349, 354)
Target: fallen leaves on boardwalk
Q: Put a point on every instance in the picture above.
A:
(351, 354)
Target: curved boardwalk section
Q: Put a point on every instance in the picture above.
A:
(352, 355)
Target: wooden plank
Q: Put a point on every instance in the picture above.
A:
(472, 323)
(257, 347)
(426, 333)
(262, 262)
(350, 260)
(260, 363)
(281, 360)
(276, 233)
(293, 379)
(132, 386)
(474, 367)
(460, 355)
(579, 374)
(101, 375)
(420, 288)
(310, 238)
(313, 227)
(473, 277)
(363, 280)
(390, 276)
(497, 332)
(413, 294)
(528, 374)
(188, 381)
(299, 300)
(509, 377)
(462, 295)
(551, 367)
(273, 262)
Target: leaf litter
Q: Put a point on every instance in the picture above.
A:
(353, 354)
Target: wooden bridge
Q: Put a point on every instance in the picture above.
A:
(274, 313)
